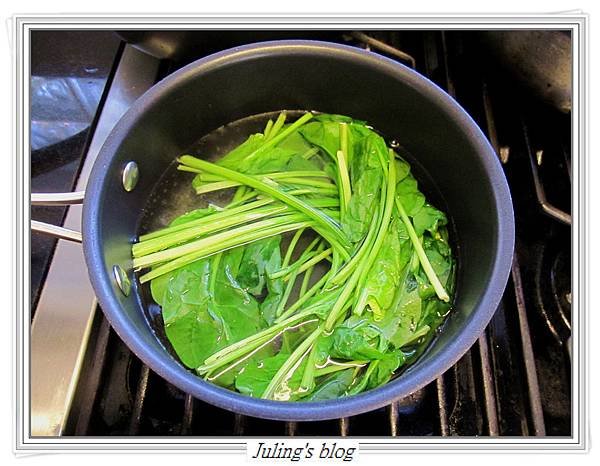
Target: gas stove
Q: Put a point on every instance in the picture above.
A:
(515, 381)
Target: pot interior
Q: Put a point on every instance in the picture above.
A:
(450, 157)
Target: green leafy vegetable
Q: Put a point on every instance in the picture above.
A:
(326, 274)
(332, 387)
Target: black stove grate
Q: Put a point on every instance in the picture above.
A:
(515, 381)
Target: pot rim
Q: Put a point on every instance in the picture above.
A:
(411, 380)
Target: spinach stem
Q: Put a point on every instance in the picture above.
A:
(208, 368)
(287, 269)
(305, 297)
(236, 362)
(249, 194)
(214, 240)
(338, 366)
(312, 262)
(294, 275)
(296, 355)
(291, 247)
(365, 378)
(308, 376)
(209, 178)
(274, 139)
(239, 194)
(423, 259)
(203, 252)
(329, 226)
(216, 186)
(342, 160)
(383, 229)
(351, 265)
(359, 274)
(314, 186)
(345, 188)
(216, 360)
(344, 140)
(277, 126)
(306, 281)
(163, 242)
(185, 168)
(286, 293)
(208, 219)
(338, 249)
(268, 128)
(214, 268)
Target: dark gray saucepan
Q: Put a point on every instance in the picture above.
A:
(452, 154)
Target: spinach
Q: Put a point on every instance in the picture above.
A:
(249, 317)
(236, 157)
(408, 192)
(353, 343)
(383, 278)
(259, 259)
(193, 336)
(201, 317)
(385, 369)
(332, 386)
(255, 377)
(428, 218)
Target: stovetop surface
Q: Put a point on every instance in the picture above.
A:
(514, 381)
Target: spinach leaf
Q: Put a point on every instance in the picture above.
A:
(275, 290)
(402, 168)
(256, 376)
(412, 199)
(235, 307)
(200, 320)
(184, 297)
(353, 343)
(367, 178)
(362, 206)
(323, 349)
(428, 218)
(234, 158)
(182, 291)
(385, 369)
(259, 259)
(385, 274)
(334, 117)
(323, 134)
(194, 336)
(331, 386)
(274, 161)
(409, 313)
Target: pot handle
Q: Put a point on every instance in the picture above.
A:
(56, 199)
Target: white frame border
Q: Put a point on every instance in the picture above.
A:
(576, 22)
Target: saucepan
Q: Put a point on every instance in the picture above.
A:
(451, 157)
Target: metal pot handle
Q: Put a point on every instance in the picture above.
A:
(56, 199)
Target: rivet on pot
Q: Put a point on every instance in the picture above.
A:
(122, 279)
(131, 174)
